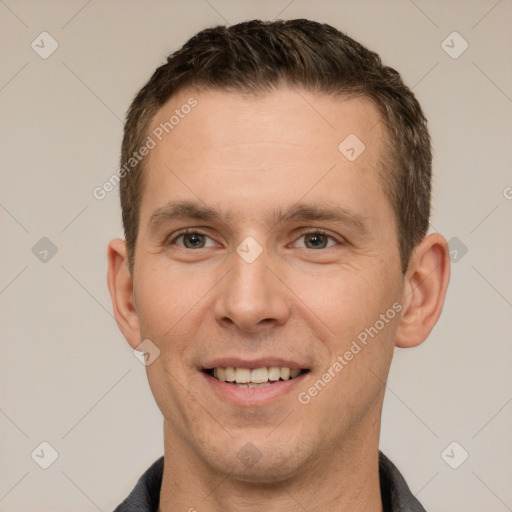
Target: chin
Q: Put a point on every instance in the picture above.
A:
(261, 462)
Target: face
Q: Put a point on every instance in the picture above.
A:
(264, 252)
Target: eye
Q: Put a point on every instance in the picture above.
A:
(317, 240)
(192, 240)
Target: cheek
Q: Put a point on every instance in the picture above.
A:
(164, 299)
(347, 300)
(360, 315)
(171, 310)
(168, 316)
(357, 307)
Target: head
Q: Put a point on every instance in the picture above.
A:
(297, 254)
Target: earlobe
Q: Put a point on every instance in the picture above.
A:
(426, 282)
(120, 285)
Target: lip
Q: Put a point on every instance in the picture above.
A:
(260, 362)
(249, 397)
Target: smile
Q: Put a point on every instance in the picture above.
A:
(256, 377)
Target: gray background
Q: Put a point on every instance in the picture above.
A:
(69, 378)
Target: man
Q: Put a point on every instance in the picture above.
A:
(275, 192)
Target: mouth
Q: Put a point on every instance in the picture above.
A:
(243, 377)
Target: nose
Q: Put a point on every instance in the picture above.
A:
(252, 296)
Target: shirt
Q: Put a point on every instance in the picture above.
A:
(396, 496)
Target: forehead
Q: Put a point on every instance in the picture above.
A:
(285, 116)
(270, 149)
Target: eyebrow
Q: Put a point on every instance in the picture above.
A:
(177, 210)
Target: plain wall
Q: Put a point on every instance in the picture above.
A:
(69, 378)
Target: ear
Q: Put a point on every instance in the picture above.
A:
(426, 281)
(120, 285)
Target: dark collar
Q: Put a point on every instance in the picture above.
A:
(395, 493)
(396, 496)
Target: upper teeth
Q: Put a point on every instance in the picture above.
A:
(257, 375)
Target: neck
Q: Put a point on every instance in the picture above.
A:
(347, 478)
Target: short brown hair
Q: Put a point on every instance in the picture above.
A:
(258, 56)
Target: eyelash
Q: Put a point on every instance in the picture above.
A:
(302, 234)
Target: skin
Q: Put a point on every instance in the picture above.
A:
(248, 156)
